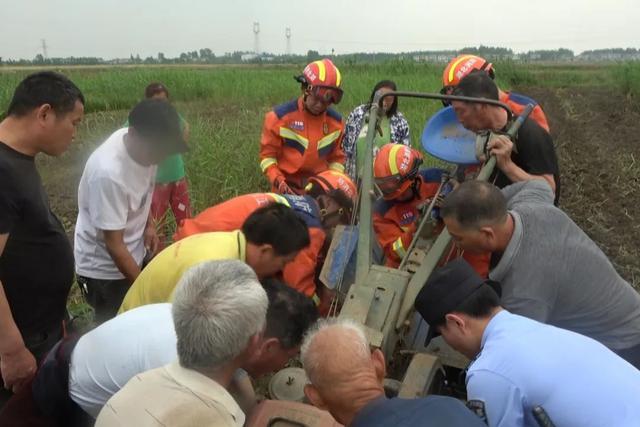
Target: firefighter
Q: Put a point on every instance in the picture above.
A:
(303, 137)
(329, 202)
(406, 189)
(462, 65)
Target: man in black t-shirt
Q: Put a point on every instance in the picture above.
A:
(531, 154)
(36, 260)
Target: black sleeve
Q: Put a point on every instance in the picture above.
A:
(9, 199)
(536, 153)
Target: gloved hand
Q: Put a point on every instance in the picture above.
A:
(282, 187)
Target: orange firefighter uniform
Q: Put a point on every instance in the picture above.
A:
(296, 145)
(300, 273)
(395, 220)
(395, 224)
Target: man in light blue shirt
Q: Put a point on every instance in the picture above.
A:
(521, 365)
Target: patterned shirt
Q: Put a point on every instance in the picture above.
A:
(399, 134)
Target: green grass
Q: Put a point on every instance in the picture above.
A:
(226, 105)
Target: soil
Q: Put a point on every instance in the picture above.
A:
(596, 132)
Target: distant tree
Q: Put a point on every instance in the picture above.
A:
(313, 55)
(161, 58)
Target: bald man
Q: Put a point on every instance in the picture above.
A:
(346, 380)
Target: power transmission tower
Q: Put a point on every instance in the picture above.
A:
(45, 54)
(287, 33)
(256, 38)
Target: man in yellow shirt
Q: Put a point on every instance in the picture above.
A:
(270, 237)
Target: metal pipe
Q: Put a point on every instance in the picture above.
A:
(365, 227)
(444, 239)
(378, 101)
(423, 222)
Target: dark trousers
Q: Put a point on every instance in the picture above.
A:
(631, 355)
(39, 345)
(105, 296)
(46, 401)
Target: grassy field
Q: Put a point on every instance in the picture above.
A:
(226, 105)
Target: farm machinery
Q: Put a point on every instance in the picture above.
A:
(381, 299)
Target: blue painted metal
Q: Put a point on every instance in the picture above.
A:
(446, 139)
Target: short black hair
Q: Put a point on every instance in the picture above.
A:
(474, 204)
(477, 84)
(44, 87)
(388, 84)
(290, 313)
(479, 304)
(154, 89)
(277, 225)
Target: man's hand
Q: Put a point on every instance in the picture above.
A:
(282, 187)
(501, 147)
(151, 239)
(18, 367)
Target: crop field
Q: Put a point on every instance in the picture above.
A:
(594, 113)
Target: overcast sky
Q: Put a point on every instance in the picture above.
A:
(117, 28)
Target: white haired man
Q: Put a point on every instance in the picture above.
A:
(219, 313)
(346, 379)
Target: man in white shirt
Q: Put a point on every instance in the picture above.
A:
(113, 232)
(219, 314)
(144, 338)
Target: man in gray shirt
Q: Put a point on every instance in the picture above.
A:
(549, 269)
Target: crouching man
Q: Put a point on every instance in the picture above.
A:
(145, 338)
(521, 367)
(346, 379)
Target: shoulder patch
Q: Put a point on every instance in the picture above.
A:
(477, 407)
(306, 209)
(286, 108)
(334, 114)
(518, 98)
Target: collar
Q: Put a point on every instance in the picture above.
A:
(242, 246)
(205, 386)
(504, 265)
(368, 410)
(493, 324)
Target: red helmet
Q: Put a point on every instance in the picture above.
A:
(461, 66)
(331, 180)
(324, 80)
(395, 169)
(336, 185)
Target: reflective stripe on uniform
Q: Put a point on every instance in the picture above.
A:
(289, 134)
(335, 166)
(316, 299)
(279, 199)
(267, 162)
(329, 139)
(398, 248)
(393, 163)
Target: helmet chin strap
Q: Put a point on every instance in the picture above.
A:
(325, 215)
(415, 187)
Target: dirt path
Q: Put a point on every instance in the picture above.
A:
(596, 132)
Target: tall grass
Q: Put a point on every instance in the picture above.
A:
(226, 105)
(627, 78)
